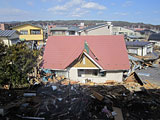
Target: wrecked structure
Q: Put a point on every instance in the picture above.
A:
(63, 100)
(87, 58)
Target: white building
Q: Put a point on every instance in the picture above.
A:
(99, 29)
(81, 58)
(130, 34)
(139, 47)
(9, 37)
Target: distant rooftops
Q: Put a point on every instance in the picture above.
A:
(146, 31)
(136, 43)
(26, 24)
(65, 28)
(7, 33)
(95, 26)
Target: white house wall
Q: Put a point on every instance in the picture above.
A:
(6, 41)
(98, 31)
(142, 49)
(121, 30)
(139, 50)
(157, 43)
(111, 75)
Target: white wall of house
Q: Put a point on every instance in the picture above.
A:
(115, 75)
(157, 43)
(61, 73)
(110, 75)
(121, 30)
(6, 41)
(137, 50)
(10, 40)
(141, 51)
(98, 31)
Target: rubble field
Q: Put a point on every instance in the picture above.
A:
(82, 102)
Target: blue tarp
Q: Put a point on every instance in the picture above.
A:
(47, 70)
(45, 78)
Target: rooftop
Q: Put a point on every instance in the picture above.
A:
(7, 33)
(151, 74)
(137, 43)
(155, 37)
(65, 28)
(94, 26)
(105, 49)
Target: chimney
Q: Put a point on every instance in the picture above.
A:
(110, 27)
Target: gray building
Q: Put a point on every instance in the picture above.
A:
(9, 37)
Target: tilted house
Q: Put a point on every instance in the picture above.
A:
(9, 37)
(96, 58)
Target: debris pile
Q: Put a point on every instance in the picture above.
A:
(58, 101)
(134, 105)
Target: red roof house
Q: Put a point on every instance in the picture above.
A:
(98, 58)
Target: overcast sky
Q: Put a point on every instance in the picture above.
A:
(146, 11)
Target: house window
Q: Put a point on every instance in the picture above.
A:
(80, 72)
(71, 32)
(87, 73)
(58, 32)
(121, 32)
(131, 34)
(133, 50)
(149, 50)
(35, 32)
(102, 74)
(95, 72)
(24, 32)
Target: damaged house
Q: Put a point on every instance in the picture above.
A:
(83, 58)
(140, 48)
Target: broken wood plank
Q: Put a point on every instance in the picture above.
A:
(5, 110)
(97, 95)
(149, 83)
(31, 118)
(119, 115)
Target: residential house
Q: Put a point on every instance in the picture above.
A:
(57, 30)
(80, 58)
(9, 37)
(129, 34)
(155, 38)
(140, 48)
(30, 33)
(116, 30)
(99, 29)
(146, 31)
